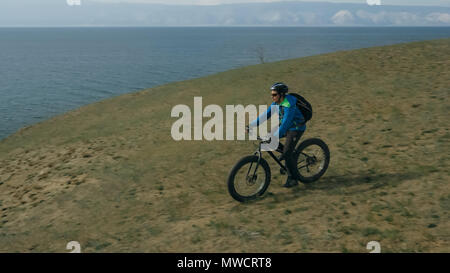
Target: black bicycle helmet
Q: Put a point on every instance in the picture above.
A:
(280, 87)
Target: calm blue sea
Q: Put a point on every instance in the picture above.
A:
(48, 71)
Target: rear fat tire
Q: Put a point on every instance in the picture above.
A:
(324, 147)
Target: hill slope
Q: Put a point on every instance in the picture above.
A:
(110, 176)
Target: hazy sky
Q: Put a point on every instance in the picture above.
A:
(445, 3)
(215, 2)
(84, 13)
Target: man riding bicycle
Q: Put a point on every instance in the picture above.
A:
(292, 126)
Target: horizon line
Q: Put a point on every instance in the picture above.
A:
(224, 26)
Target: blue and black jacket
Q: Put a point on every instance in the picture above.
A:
(291, 118)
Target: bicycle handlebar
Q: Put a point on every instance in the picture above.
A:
(264, 140)
(258, 137)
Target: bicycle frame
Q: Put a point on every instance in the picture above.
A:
(259, 154)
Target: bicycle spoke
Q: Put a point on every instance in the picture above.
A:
(310, 161)
(300, 162)
(303, 159)
(248, 172)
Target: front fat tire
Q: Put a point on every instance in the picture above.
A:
(241, 163)
(324, 147)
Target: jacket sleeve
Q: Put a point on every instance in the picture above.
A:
(262, 118)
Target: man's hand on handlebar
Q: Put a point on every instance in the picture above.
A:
(266, 139)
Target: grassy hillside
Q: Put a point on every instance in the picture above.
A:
(109, 175)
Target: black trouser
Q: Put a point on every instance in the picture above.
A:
(292, 138)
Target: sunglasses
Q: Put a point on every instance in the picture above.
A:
(274, 95)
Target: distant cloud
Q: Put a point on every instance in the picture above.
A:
(273, 17)
(343, 17)
(404, 18)
(375, 18)
(437, 17)
(310, 18)
(229, 21)
(390, 18)
(374, 2)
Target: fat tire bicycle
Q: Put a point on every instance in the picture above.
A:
(250, 177)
